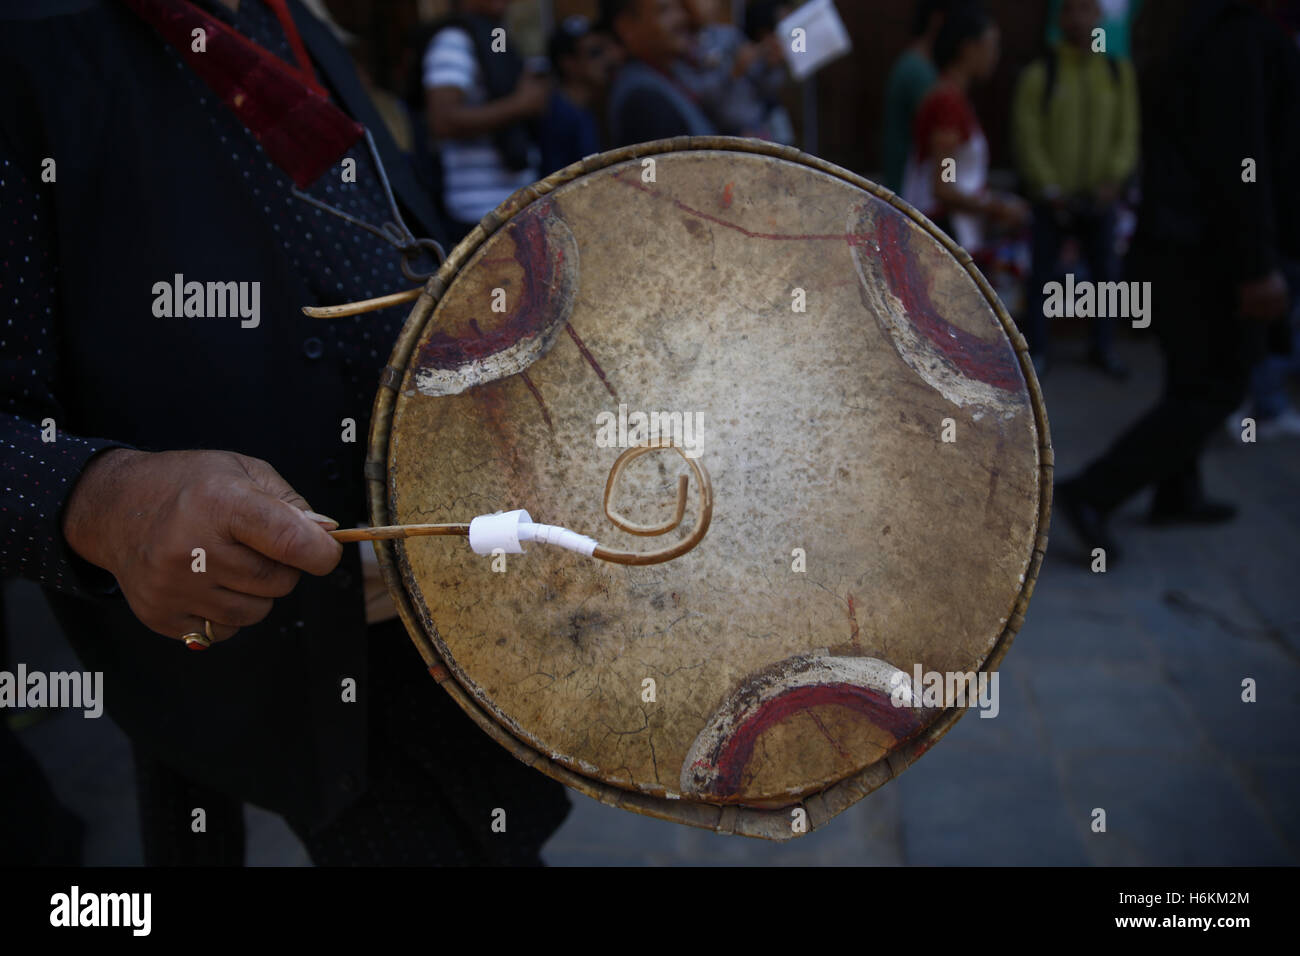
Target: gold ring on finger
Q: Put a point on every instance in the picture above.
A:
(196, 641)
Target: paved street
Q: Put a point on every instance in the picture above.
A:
(1122, 692)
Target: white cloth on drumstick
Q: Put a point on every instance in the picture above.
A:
(507, 530)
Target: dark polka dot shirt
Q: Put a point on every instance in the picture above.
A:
(339, 261)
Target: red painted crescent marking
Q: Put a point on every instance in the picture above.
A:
(739, 748)
(717, 761)
(451, 360)
(538, 305)
(993, 363)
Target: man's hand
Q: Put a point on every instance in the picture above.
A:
(1264, 299)
(140, 516)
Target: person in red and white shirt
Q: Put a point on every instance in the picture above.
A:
(956, 195)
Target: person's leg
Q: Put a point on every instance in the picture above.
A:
(1160, 440)
(1097, 238)
(1205, 376)
(1269, 401)
(169, 822)
(1046, 253)
(35, 828)
(1271, 406)
(1268, 397)
(1235, 347)
(441, 791)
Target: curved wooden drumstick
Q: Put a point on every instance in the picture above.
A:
(346, 535)
(625, 459)
(702, 519)
(357, 308)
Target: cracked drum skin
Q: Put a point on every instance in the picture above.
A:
(821, 429)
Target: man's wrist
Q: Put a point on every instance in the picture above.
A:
(91, 499)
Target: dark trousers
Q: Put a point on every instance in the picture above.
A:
(35, 829)
(435, 781)
(1096, 235)
(1208, 356)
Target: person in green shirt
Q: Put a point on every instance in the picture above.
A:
(1075, 127)
(910, 78)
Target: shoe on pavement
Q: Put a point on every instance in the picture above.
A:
(1086, 521)
(1203, 511)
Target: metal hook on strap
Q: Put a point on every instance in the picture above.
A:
(395, 233)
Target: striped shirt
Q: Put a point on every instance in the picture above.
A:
(475, 180)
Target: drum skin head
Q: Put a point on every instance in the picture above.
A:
(878, 449)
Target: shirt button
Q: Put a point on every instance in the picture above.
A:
(313, 347)
(332, 472)
(348, 783)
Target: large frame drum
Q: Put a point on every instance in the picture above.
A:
(879, 455)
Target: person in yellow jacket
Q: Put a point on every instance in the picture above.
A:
(1075, 124)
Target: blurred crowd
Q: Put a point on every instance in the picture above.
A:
(1189, 91)
(1075, 127)
(1175, 175)
(486, 121)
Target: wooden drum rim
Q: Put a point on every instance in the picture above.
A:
(771, 824)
